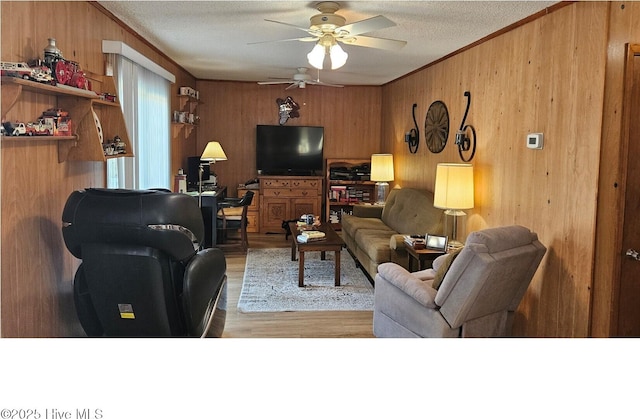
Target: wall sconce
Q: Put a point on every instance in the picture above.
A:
(453, 193)
(381, 173)
(463, 141)
(412, 138)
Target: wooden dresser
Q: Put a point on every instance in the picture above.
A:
(287, 198)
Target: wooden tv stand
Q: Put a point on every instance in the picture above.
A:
(284, 198)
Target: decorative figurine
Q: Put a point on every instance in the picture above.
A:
(52, 122)
(114, 147)
(64, 71)
(39, 73)
(287, 108)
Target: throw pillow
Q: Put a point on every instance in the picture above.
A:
(396, 242)
(444, 268)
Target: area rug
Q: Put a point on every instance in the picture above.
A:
(270, 283)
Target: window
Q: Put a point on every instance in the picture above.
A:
(145, 100)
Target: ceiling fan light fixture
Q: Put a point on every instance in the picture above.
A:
(316, 56)
(338, 56)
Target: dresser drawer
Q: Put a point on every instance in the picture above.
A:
(289, 193)
(294, 183)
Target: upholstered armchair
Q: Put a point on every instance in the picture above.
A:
(142, 270)
(472, 293)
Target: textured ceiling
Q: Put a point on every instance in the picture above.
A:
(212, 39)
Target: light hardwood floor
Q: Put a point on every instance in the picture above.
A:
(323, 324)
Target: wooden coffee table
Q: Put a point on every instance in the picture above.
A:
(331, 243)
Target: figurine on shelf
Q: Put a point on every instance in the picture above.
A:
(15, 128)
(44, 126)
(114, 147)
(39, 73)
(60, 120)
(119, 145)
(64, 71)
(109, 97)
(63, 127)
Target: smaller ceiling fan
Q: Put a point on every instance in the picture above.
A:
(300, 80)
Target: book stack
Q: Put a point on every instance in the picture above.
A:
(417, 243)
(338, 193)
(310, 236)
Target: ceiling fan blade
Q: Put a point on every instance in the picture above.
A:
(306, 39)
(292, 86)
(321, 83)
(367, 25)
(290, 25)
(276, 82)
(372, 42)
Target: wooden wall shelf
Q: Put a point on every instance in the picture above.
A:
(188, 104)
(81, 104)
(39, 138)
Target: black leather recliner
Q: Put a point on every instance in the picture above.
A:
(142, 273)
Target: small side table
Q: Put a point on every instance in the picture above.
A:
(422, 256)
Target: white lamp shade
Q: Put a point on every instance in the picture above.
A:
(327, 45)
(213, 152)
(338, 56)
(316, 56)
(454, 186)
(381, 167)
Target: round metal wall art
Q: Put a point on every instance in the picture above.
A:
(436, 126)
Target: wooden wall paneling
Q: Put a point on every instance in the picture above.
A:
(231, 111)
(525, 81)
(624, 28)
(547, 75)
(37, 270)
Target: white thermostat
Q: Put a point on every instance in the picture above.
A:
(535, 140)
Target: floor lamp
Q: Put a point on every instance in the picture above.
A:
(453, 193)
(381, 173)
(212, 153)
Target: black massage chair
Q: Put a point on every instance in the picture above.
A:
(142, 273)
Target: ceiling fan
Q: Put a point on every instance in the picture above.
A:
(328, 28)
(300, 80)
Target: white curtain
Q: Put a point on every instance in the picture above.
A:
(145, 101)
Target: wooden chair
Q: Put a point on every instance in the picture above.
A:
(232, 217)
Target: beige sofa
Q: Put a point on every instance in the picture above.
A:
(373, 234)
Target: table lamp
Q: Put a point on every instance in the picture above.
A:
(381, 173)
(212, 153)
(453, 193)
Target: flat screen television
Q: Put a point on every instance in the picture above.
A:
(289, 150)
